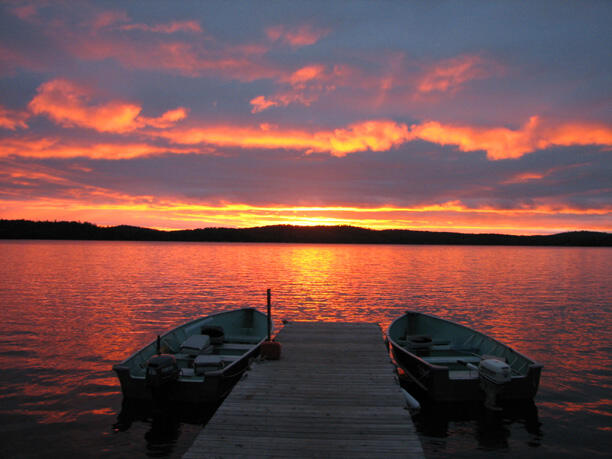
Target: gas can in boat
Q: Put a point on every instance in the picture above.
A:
(270, 350)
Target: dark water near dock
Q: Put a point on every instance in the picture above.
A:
(69, 310)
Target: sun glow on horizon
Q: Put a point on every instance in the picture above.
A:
(450, 216)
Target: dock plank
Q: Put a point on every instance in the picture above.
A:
(332, 394)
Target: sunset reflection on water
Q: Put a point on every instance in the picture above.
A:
(72, 309)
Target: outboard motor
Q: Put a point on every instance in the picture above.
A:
(493, 375)
(162, 371)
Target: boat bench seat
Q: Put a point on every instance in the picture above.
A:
(195, 344)
(203, 363)
(244, 339)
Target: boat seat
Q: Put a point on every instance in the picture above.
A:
(207, 362)
(195, 344)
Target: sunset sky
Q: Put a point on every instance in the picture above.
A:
(446, 116)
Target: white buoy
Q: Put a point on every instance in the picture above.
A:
(412, 403)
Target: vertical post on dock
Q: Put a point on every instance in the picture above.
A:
(269, 314)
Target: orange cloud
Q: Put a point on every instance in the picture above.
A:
(69, 105)
(450, 74)
(379, 135)
(261, 103)
(168, 119)
(301, 36)
(49, 147)
(370, 135)
(504, 143)
(13, 119)
(305, 74)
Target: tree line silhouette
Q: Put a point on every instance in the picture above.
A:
(63, 230)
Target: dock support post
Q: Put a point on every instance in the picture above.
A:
(269, 314)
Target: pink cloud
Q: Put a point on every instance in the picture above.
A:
(311, 72)
(107, 19)
(25, 12)
(281, 99)
(69, 105)
(11, 59)
(121, 21)
(13, 119)
(304, 35)
(193, 58)
(169, 28)
(450, 74)
(305, 86)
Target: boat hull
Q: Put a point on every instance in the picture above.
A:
(243, 330)
(437, 383)
(214, 386)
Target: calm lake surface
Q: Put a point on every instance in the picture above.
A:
(69, 310)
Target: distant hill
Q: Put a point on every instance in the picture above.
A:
(25, 229)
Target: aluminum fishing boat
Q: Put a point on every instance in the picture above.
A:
(451, 362)
(197, 362)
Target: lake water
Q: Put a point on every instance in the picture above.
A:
(69, 310)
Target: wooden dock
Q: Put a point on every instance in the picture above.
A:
(332, 394)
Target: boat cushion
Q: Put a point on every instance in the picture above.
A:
(195, 344)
